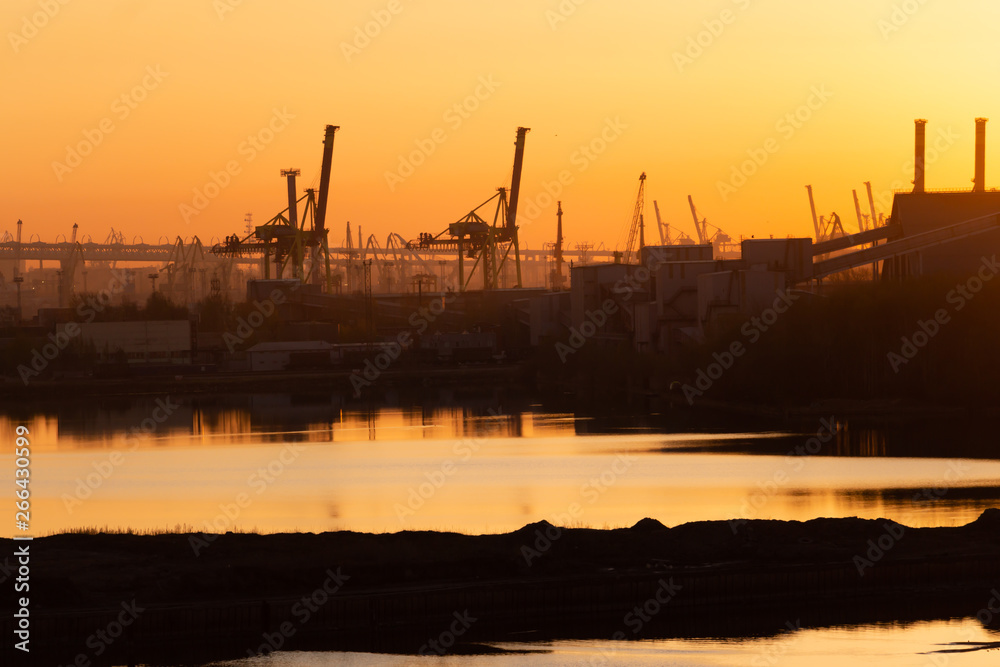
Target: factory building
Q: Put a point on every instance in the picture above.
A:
(140, 343)
(664, 304)
(288, 355)
(920, 212)
(942, 232)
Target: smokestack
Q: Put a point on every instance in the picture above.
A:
(979, 182)
(918, 157)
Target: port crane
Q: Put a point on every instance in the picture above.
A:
(664, 227)
(868, 223)
(824, 228)
(489, 244)
(285, 237)
(719, 239)
(18, 278)
(556, 278)
(877, 220)
(68, 267)
(636, 225)
(862, 220)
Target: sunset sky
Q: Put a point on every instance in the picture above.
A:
(117, 112)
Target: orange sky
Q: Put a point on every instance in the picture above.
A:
(201, 76)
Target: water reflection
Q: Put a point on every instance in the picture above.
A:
(477, 467)
(881, 645)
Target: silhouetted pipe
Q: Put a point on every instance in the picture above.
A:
(979, 181)
(515, 179)
(324, 178)
(918, 156)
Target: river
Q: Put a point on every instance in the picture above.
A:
(279, 463)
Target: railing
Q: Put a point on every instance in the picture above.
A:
(944, 191)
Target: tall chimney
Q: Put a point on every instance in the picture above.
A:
(979, 182)
(918, 157)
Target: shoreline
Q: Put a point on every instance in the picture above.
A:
(393, 592)
(472, 377)
(246, 381)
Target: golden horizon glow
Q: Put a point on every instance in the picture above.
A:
(388, 474)
(210, 73)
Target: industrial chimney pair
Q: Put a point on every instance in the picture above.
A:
(978, 182)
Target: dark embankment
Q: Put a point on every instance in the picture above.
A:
(196, 597)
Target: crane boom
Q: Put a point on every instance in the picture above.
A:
(636, 220)
(871, 203)
(557, 277)
(664, 229)
(812, 207)
(17, 254)
(699, 225)
(857, 211)
(515, 180)
(319, 222)
(18, 279)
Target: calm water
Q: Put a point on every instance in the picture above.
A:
(930, 644)
(275, 463)
(278, 463)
